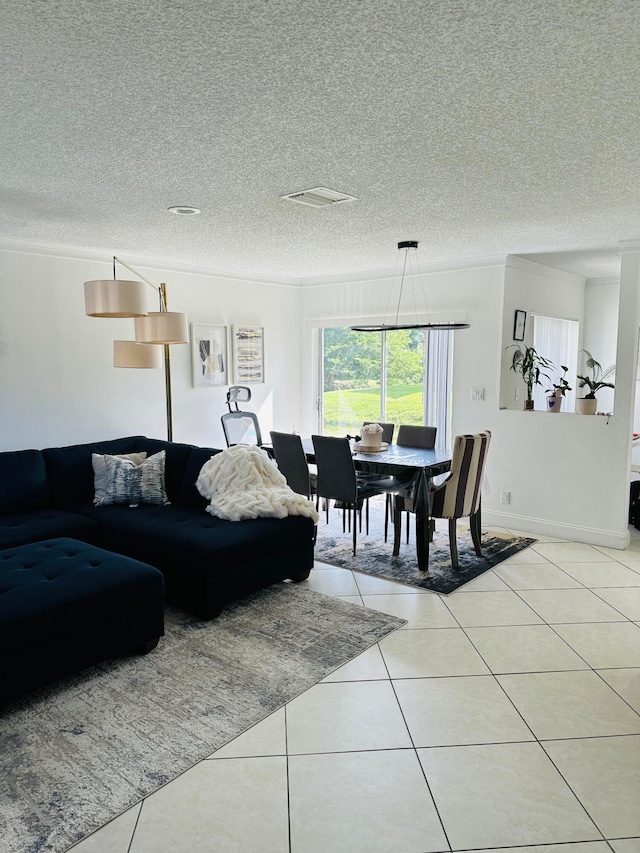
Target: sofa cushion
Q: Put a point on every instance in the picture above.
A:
(23, 481)
(71, 472)
(189, 495)
(21, 528)
(131, 484)
(175, 536)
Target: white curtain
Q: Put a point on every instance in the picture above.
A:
(438, 384)
(557, 340)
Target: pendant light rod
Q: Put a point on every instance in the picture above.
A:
(405, 244)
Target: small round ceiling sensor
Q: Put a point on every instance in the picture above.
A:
(184, 210)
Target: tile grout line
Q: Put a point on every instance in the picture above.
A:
(415, 752)
(286, 752)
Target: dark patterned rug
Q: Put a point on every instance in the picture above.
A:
(374, 555)
(74, 756)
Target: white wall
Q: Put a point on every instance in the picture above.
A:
(57, 382)
(568, 476)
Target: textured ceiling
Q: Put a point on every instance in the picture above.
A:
(479, 127)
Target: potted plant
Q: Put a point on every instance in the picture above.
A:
(531, 367)
(596, 379)
(557, 391)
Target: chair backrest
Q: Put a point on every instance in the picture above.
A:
(241, 428)
(336, 471)
(417, 436)
(387, 430)
(291, 460)
(459, 495)
(237, 394)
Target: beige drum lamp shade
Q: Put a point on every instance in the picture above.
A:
(120, 298)
(115, 298)
(133, 354)
(162, 327)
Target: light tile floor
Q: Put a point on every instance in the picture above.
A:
(504, 716)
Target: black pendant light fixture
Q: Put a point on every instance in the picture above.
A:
(407, 267)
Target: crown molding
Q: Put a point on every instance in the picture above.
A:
(605, 281)
(103, 255)
(630, 245)
(52, 250)
(94, 254)
(535, 268)
(389, 272)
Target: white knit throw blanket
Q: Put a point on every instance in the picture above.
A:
(242, 482)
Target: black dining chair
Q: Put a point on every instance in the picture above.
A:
(413, 435)
(387, 430)
(409, 435)
(292, 462)
(338, 481)
(240, 427)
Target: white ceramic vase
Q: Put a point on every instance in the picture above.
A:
(554, 402)
(586, 407)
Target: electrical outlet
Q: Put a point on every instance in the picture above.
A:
(505, 497)
(477, 393)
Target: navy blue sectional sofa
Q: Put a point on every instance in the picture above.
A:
(206, 562)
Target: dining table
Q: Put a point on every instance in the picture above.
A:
(415, 467)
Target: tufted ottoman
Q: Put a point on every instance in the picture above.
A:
(65, 605)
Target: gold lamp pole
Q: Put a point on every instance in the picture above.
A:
(167, 367)
(119, 298)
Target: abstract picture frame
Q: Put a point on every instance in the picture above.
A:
(209, 355)
(248, 353)
(519, 322)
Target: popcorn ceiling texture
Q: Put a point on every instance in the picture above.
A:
(479, 127)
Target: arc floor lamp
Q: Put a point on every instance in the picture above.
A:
(155, 331)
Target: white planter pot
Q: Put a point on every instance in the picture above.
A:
(554, 402)
(586, 407)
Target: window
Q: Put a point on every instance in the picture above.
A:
(402, 376)
(557, 340)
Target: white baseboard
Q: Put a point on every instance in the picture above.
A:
(588, 535)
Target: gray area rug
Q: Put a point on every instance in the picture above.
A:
(74, 756)
(374, 556)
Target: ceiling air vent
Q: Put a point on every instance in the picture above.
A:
(318, 197)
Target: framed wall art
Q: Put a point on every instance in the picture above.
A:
(248, 354)
(209, 355)
(519, 322)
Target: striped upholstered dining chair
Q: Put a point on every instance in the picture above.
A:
(459, 495)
